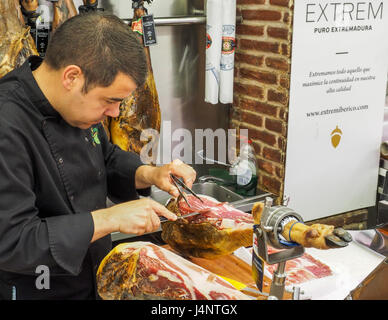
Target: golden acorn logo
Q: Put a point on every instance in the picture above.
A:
(336, 135)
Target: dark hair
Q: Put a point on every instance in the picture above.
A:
(102, 45)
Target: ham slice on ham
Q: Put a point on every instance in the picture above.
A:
(219, 229)
(142, 270)
(211, 210)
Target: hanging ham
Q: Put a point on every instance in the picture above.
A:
(140, 111)
(16, 43)
(63, 10)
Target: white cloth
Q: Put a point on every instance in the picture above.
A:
(227, 53)
(220, 33)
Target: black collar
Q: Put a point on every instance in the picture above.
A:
(32, 89)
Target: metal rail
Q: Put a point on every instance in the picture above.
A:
(181, 20)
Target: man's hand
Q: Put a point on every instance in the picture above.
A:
(133, 217)
(160, 176)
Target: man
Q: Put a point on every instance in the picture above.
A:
(57, 166)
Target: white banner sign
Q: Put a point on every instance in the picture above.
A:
(337, 97)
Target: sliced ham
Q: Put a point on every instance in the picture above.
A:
(142, 270)
(302, 269)
(212, 209)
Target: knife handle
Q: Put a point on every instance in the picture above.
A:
(163, 219)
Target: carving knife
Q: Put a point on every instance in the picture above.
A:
(164, 219)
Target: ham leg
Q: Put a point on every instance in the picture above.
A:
(319, 236)
(63, 10)
(140, 111)
(16, 42)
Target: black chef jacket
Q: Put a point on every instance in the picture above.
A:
(52, 175)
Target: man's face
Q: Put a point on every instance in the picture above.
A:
(83, 110)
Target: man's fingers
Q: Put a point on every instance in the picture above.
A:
(152, 222)
(189, 182)
(164, 181)
(155, 221)
(166, 185)
(184, 171)
(161, 210)
(172, 190)
(177, 162)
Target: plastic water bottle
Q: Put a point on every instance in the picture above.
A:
(245, 170)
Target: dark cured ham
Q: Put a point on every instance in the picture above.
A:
(140, 111)
(16, 43)
(142, 270)
(63, 10)
(218, 230)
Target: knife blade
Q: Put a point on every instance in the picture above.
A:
(164, 219)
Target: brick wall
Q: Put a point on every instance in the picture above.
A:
(261, 84)
(261, 93)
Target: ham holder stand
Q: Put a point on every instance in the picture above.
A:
(269, 232)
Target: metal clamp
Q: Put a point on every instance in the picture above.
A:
(271, 220)
(268, 232)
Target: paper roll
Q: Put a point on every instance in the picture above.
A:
(213, 50)
(227, 53)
